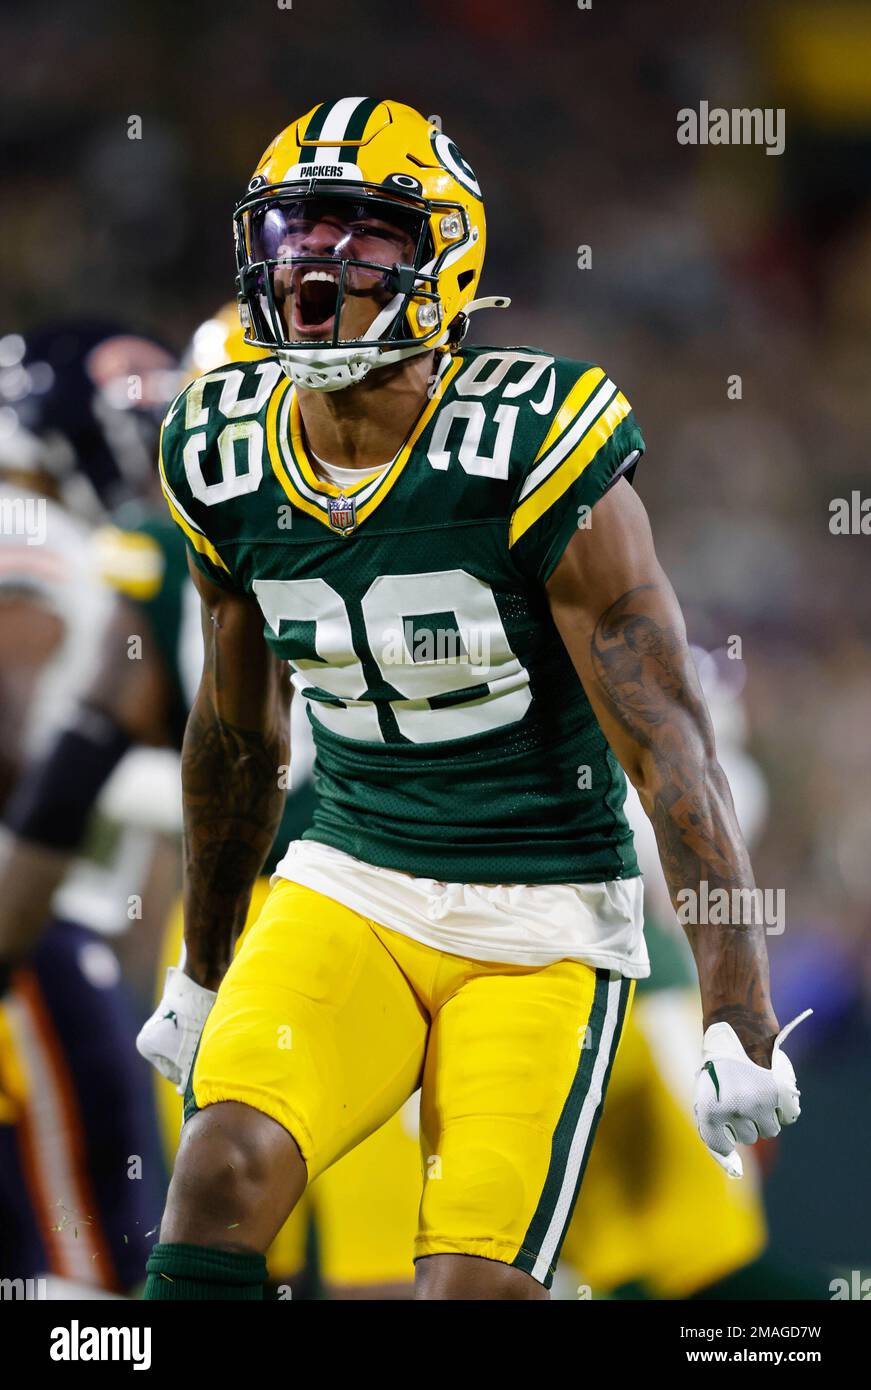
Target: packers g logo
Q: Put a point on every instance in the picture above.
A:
(450, 158)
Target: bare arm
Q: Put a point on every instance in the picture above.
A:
(623, 629)
(136, 693)
(236, 742)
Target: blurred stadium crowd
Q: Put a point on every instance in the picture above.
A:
(727, 289)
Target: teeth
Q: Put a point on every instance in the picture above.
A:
(320, 275)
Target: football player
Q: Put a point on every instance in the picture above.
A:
(444, 544)
(81, 406)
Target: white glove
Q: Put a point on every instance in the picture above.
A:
(736, 1100)
(168, 1040)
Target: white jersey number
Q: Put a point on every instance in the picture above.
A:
(484, 375)
(246, 433)
(417, 657)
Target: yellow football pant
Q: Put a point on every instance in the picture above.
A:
(659, 1212)
(327, 1022)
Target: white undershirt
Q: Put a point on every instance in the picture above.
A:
(343, 477)
(537, 924)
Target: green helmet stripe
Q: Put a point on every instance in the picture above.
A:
(356, 128)
(313, 130)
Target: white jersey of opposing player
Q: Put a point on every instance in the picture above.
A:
(46, 555)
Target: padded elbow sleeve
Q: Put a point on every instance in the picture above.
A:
(52, 802)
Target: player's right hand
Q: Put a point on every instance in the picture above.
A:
(168, 1040)
(737, 1101)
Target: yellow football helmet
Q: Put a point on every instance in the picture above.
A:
(406, 226)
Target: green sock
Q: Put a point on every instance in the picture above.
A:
(197, 1272)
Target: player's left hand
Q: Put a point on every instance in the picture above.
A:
(736, 1100)
(169, 1038)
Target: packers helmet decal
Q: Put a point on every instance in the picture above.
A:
(358, 200)
(450, 158)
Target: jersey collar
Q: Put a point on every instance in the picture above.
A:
(293, 468)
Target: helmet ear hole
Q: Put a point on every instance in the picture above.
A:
(464, 278)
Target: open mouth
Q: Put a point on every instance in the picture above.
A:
(314, 301)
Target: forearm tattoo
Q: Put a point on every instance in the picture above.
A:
(649, 685)
(233, 803)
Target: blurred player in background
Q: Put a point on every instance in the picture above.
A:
(71, 446)
(80, 410)
(138, 699)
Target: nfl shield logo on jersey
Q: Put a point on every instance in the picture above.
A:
(343, 513)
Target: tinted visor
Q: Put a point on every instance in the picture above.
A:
(380, 231)
(314, 253)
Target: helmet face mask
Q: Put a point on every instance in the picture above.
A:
(306, 256)
(359, 242)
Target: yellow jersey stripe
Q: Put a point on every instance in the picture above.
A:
(574, 401)
(569, 470)
(392, 474)
(568, 441)
(201, 544)
(304, 462)
(274, 452)
(386, 480)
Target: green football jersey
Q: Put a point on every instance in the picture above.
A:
(143, 557)
(454, 739)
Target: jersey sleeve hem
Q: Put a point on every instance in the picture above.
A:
(572, 470)
(203, 553)
(572, 523)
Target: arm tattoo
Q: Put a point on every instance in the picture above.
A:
(232, 808)
(649, 686)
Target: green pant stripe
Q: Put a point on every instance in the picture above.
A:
(625, 988)
(567, 1125)
(190, 1103)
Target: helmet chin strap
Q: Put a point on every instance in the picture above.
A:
(334, 369)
